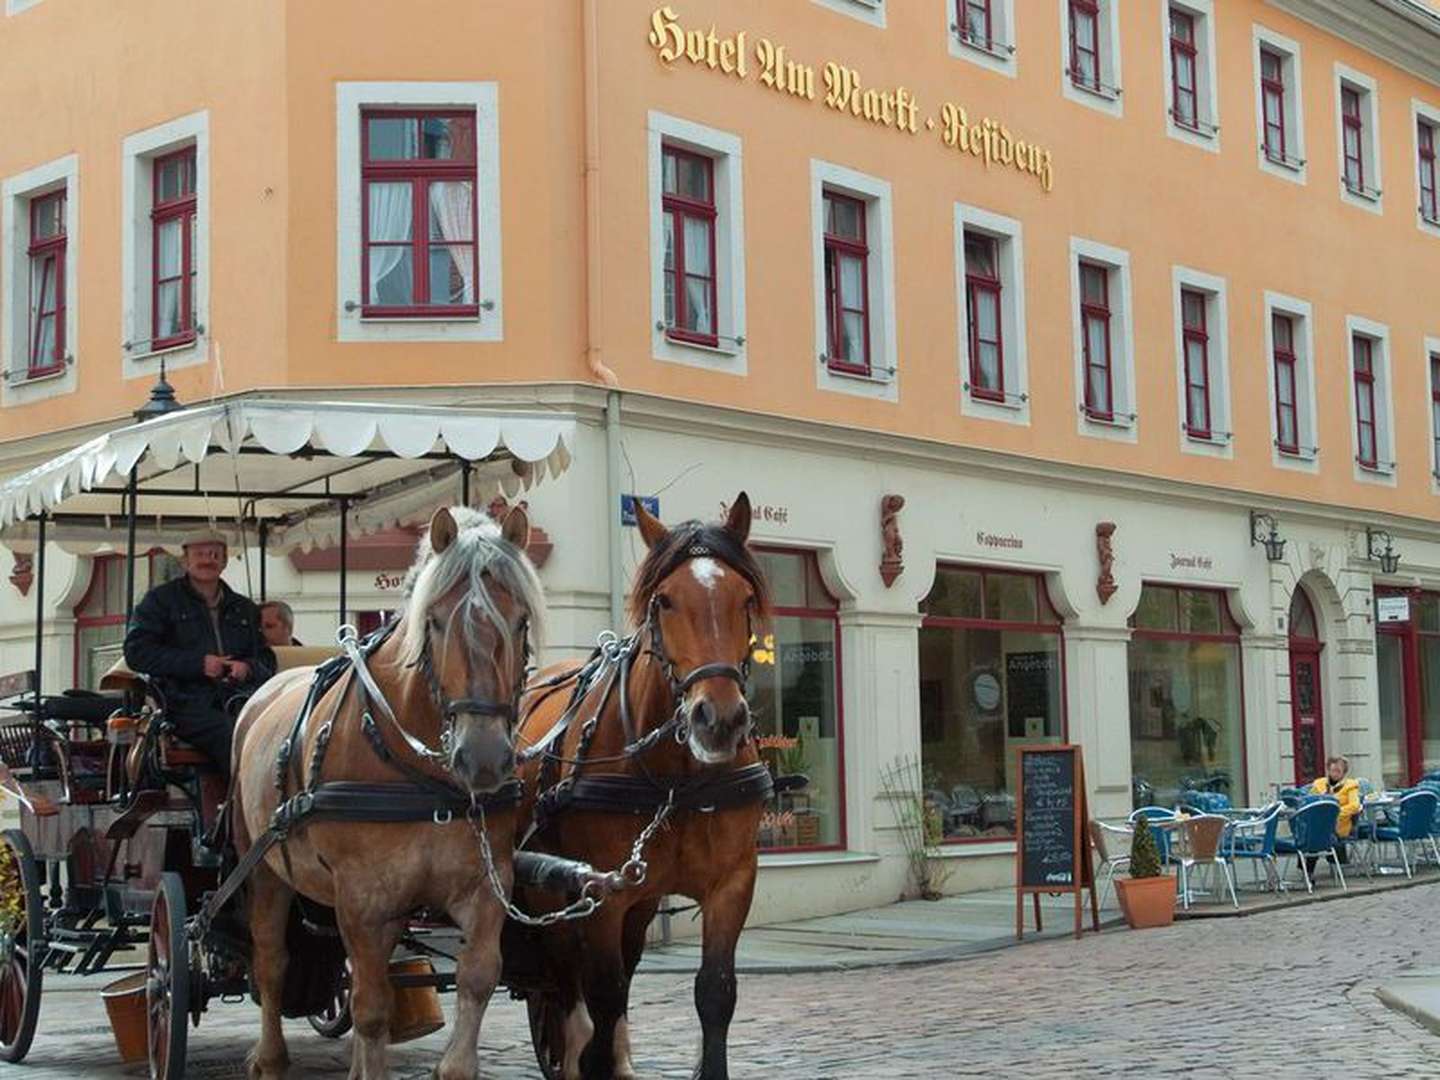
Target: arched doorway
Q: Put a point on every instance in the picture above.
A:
(1307, 710)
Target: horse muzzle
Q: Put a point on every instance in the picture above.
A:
(716, 732)
(482, 754)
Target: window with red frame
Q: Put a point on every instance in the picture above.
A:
(847, 284)
(796, 702)
(47, 283)
(172, 217)
(1095, 338)
(1435, 413)
(1197, 363)
(418, 176)
(1085, 43)
(1287, 417)
(100, 614)
(992, 677)
(1353, 123)
(982, 311)
(1272, 89)
(1183, 95)
(1429, 184)
(689, 210)
(1366, 444)
(977, 22)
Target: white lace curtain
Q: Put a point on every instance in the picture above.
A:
(451, 206)
(391, 218)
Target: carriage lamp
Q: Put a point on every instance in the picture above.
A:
(1387, 557)
(161, 401)
(1264, 531)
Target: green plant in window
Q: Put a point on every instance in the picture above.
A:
(793, 760)
(1144, 855)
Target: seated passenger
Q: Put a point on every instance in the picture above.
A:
(277, 623)
(201, 641)
(1337, 782)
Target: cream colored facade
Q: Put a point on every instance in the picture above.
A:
(578, 101)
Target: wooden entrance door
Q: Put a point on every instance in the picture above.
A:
(1307, 708)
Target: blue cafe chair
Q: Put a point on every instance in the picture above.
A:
(1416, 826)
(1253, 840)
(1312, 835)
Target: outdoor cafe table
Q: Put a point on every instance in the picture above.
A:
(1372, 810)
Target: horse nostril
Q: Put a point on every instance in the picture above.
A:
(704, 713)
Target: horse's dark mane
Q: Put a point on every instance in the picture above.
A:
(665, 557)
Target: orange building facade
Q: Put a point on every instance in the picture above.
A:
(1025, 325)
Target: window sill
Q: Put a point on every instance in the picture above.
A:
(1369, 195)
(996, 50)
(15, 379)
(1294, 165)
(716, 349)
(1298, 453)
(166, 350)
(1118, 420)
(1379, 468)
(1198, 129)
(1098, 90)
(835, 857)
(407, 320)
(1209, 438)
(1015, 402)
(880, 375)
(974, 849)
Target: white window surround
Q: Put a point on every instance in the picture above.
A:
(1432, 348)
(350, 99)
(1370, 138)
(1221, 444)
(1430, 114)
(883, 383)
(871, 12)
(1010, 242)
(1126, 425)
(1111, 101)
(137, 248)
(15, 195)
(1207, 104)
(1001, 58)
(725, 150)
(1307, 460)
(15, 7)
(1386, 466)
(1295, 169)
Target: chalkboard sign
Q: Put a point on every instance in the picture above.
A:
(1052, 852)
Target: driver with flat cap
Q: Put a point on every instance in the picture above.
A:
(201, 641)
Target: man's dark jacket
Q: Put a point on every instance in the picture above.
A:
(170, 635)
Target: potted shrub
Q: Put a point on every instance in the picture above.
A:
(1147, 896)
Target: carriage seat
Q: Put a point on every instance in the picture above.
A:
(293, 656)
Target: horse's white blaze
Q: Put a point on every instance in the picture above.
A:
(578, 1029)
(707, 572)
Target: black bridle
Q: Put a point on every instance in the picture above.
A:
(453, 708)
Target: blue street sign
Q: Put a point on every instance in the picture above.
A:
(627, 507)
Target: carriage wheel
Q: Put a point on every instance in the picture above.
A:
(22, 945)
(167, 991)
(334, 1020)
(547, 1032)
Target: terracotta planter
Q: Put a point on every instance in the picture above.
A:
(1147, 902)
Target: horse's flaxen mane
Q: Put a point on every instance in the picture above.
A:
(686, 541)
(478, 550)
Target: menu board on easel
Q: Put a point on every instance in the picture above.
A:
(1052, 851)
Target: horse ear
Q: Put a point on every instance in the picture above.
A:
(738, 520)
(516, 527)
(651, 530)
(442, 530)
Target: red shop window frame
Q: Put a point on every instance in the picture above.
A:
(1367, 450)
(180, 207)
(837, 247)
(1272, 88)
(48, 254)
(1096, 311)
(1429, 184)
(1056, 626)
(681, 208)
(1353, 138)
(1183, 58)
(418, 172)
(984, 288)
(830, 614)
(1199, 424)
(1283, 333)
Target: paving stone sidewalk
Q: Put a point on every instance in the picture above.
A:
(1283, 994)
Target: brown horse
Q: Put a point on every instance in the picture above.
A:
(451, 673)
(661, 726)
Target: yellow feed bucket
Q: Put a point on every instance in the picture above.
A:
(125, 1005)
(416, 1012)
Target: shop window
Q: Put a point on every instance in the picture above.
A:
(419, 212)
(983, 31)
(1186, 719)
(991, 679)
(45, 338)
(100, 614)
(697, 245)
(1408, 655)
(37, 281)
(1101, 284)
(1279, 105)
(1204, 375)
(992, 339)
(1358, 133)
(795, 699)
(854, 282)
(1370, 401)
(1190, 59)
(1092, 58)
(1427, 166)
(165, 244)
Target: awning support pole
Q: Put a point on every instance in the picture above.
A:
(39, 628)
(465, 470)
(133, 503)
(264, 535)
(344, 553)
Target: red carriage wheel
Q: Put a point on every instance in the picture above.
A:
(334, 1020)
(547, 1032)
(167, 990)
(22, 945)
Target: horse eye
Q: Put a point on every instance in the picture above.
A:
(663, 601)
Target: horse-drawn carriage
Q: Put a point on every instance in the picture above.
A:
(410, 735)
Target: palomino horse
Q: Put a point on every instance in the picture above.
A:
(451, 673)
(653, 730)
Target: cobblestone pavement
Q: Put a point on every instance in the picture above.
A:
(1279, 995)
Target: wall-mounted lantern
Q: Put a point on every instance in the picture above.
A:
(1264, 531)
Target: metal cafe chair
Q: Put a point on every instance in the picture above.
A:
(1108, 840)
(1200, 845)
(1416, 826)
(1252, 840)
(1312, 834)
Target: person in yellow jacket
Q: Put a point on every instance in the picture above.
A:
(1338, 782)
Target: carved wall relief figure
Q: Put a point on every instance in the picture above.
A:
(1105, 586)
(22, 576)
(892, 563)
